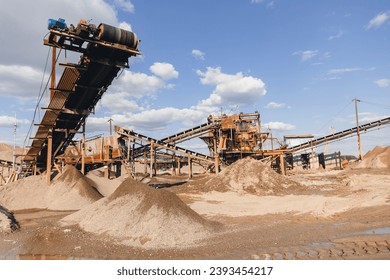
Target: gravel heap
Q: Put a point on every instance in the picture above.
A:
(246, 176)
(379, 157)
(138, 215)
(8, 222)
(68, 191)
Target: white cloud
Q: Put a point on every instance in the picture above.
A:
(164, 70)
(124, 25)
(100, 124)
(279, 126)
(231, 89)
(153, 119)
(271, 4)
(10, 121)
(23, 54)
(137, 85)
(306, 55)
(120, 102)
(72, 11)
(124, 94)
(337, 72)
(325, 56)
(198, 54)
(19, 81)
(366, 117)
(382, 83)
(125, 5)
(338, 35)
(378, 20)
(195, 146)
(20, 71)
(17, 55)
(7, 121)
(275, 105)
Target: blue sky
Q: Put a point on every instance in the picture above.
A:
(299, 63)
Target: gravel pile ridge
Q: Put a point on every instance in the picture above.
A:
(138, 215)
(379, 157)
(68, 191)
(246, 176)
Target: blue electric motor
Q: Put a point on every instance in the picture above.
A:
(60, 24)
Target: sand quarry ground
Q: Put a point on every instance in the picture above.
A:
(246, 212)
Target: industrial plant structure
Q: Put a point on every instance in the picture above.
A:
(105, 50)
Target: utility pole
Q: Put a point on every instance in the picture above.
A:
(14, 151)
(83, 150)
(49, 155)
(110, 121)
(53, 70)
(357, 128)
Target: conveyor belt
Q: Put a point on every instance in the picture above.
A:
(180, 136)
(80, 87)
(189, 133)
(60, 97)
(339, 135)
(163, 145)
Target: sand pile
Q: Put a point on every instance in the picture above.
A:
(379, 157)
(5, 225)
(8, 222)
(139, 215)
(5, 147)
(251, 176)
(68, 191)
(7, 152)
(103, 185)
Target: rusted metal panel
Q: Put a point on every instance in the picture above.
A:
(229, 122)
(68, 79)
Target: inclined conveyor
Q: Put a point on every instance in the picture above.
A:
(105, 51)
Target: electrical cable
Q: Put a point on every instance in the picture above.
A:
(376, 104)
(318, 131)
(43, 77)
(41, 94)
(38, 97)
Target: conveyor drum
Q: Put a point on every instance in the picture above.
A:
(117, 35)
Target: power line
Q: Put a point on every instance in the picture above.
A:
(376, 104)
(338, 113)
(40, 94)
(43, 77)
